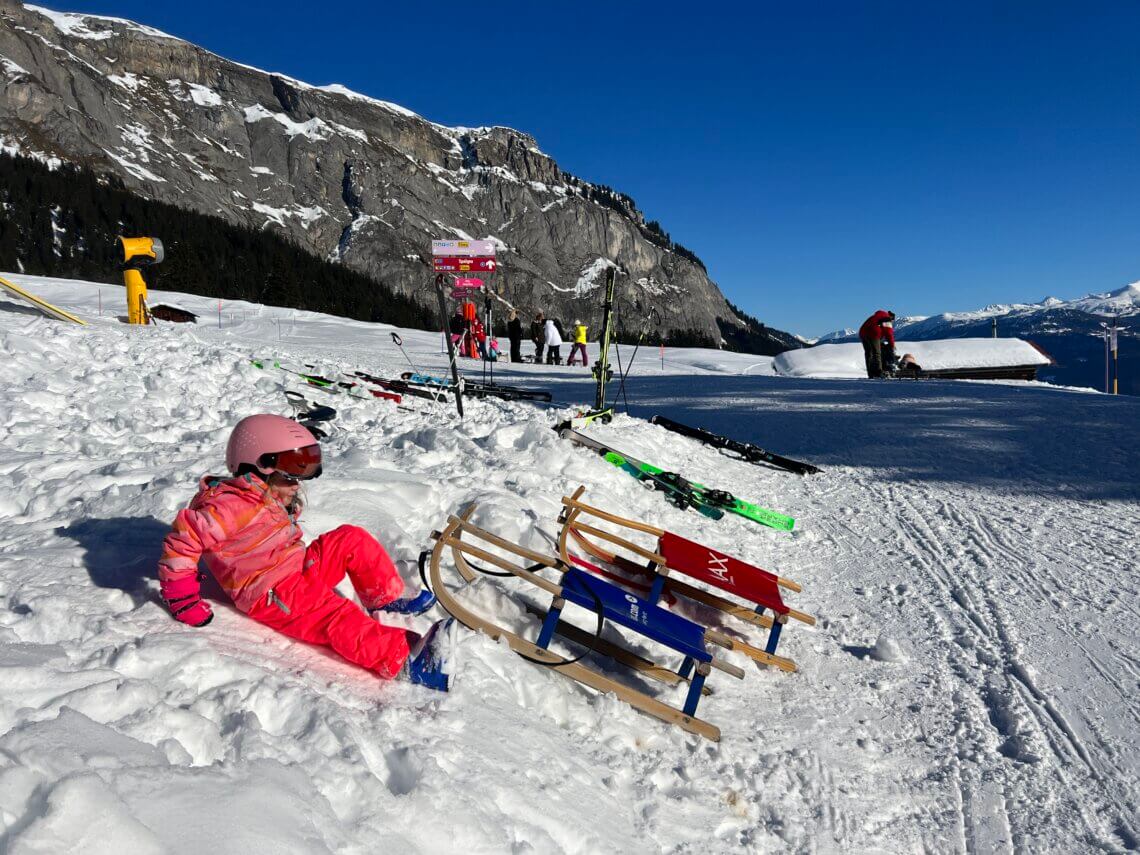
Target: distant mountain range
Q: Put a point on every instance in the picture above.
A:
(1069, 331)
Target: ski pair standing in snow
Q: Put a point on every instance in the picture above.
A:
(244, 528)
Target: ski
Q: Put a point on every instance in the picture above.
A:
(315, 417)
(746, 450)
(680, 489)
(398, 387)
(727, 501)
(584, 418)
(450, 344)
(479, 390)
(327, 384)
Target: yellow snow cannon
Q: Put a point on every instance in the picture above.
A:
(138, 252)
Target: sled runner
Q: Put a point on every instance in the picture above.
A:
(605, 600)
(43, 306)
(676, 555)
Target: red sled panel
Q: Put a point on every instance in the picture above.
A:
(722, 571)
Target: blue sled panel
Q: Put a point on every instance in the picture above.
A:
(631, 611)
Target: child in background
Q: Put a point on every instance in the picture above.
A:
(245, 529)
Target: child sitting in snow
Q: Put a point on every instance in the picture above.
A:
(245, 527)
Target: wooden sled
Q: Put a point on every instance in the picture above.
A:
(598, 596)
(676, 555)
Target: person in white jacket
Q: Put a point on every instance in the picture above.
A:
(553, 344)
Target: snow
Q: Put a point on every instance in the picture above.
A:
(13, 147)
(12, 69)
(125, 158)
(80, 26)
(589, 279)
(846, 360)
(1123, 301)
(338, 89)
(126, 81)
(204, 96)
(969, 552)
(306, 215)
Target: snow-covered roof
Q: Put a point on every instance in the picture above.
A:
(846, 360)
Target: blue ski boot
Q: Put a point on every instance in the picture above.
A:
(416, 605)
(426, 661)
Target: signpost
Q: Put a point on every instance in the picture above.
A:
(461, 256)
(463, 264)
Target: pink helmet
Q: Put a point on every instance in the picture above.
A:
(271, 443)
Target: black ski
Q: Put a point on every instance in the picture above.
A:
(478, 390)
(746, 450)
(450, 344)
(399, 386)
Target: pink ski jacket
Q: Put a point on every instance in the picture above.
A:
(249, 541)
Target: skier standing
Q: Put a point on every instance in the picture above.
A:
(553, 344)
(579, 344)
(875, 330)
(245, 529)
(514, 333)
(538, 336)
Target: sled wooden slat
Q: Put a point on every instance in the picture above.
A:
(572, 502)
(620, 541)
(753, 653)
(503, 543)
(534, 578)
(451, 537)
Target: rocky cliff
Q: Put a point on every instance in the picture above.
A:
(358, 181)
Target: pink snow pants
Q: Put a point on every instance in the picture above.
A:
(304, 606)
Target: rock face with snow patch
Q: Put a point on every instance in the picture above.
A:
(355, 180)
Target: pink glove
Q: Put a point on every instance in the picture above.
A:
(183, 598)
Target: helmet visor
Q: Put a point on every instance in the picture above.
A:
(300, 464)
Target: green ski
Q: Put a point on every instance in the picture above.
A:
(682, 492)
(720, 499)
(679, 491)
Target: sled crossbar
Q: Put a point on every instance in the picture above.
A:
(628, 611)
(677, 556)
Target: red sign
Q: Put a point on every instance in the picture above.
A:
(471, 264)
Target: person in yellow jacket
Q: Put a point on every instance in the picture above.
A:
(579, 344)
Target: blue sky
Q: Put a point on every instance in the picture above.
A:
(823, 158)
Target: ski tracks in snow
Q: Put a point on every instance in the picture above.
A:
(1027, 763)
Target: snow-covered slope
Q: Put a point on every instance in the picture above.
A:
(969, 551)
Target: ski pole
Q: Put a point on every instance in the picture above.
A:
(399, 342)
(621, 374)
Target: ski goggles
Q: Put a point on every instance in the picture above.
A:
(298, 464)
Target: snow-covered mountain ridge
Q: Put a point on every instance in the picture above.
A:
(352, 179)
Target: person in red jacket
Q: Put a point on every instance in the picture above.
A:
(244, 528)
(876, 330)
